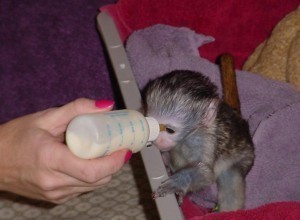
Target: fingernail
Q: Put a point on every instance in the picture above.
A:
(104, 103)
(127, 156)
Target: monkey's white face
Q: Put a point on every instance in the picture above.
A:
(168, 139)
(164, 142)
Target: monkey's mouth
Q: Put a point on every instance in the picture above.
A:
(163, 149)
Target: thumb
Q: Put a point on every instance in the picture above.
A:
(60, 117)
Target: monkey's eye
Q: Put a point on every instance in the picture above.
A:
(170, 130)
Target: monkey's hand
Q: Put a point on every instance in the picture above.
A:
(187, 179)
(170, 186)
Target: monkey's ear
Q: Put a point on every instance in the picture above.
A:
(211, 112)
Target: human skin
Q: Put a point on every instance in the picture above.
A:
(35, 162)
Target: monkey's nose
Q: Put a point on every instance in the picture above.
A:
(157, 142)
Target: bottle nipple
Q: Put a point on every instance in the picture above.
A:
(162, 127)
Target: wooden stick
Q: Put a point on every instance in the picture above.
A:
(230, 91)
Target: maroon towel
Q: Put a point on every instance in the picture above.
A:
(238, 26)
(273, 211)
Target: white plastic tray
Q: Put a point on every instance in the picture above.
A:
(168, 208)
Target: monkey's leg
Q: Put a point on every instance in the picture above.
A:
(231, 190)
(185, 180)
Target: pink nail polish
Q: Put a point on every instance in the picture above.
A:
(104, 103)
(127, 156)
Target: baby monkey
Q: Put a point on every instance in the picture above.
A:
(205, 140)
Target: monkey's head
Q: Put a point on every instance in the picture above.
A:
(183, 101)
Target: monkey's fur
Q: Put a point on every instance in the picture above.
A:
(205, 141)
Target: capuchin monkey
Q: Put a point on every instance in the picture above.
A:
(205, 140)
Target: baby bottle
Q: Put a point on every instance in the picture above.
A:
(98, 134)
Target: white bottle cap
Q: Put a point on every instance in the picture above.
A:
(153, 128)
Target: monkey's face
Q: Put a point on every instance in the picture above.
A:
(179, 100)
(168, 138)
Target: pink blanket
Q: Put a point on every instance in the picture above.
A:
(272, 109)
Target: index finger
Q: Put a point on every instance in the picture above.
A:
(89, 171)
(56, 120)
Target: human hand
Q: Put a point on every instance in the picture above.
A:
(35, 162)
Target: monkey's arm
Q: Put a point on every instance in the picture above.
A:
(191, 178)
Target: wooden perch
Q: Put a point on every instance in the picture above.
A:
(230, 91)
